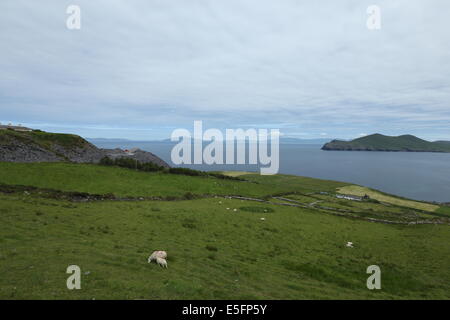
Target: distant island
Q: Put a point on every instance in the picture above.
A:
(379, 142)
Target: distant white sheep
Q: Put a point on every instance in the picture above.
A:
(160, 258)
(349, 244)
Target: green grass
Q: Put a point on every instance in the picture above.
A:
(214, 252)
(282, 183)
(361, 191)
(445, 210)
(124, 182)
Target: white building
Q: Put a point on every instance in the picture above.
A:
(15, 128)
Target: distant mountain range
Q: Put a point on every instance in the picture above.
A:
(283, 140)
(379, 142)
(287, 140)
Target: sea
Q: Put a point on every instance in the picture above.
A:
(414, 175)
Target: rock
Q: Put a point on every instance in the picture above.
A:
(136, 154)
(40, 146)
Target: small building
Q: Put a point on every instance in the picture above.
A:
(348, 197)
(15, 128)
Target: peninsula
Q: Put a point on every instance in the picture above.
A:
(379, 142)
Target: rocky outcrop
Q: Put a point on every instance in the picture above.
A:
(137, 154)
(39, 146)
(21, 152)
(85, 153)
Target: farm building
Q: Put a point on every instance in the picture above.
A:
(15, 128)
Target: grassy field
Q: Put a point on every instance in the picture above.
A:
(129, 183)
(214, 251)
(444, 211)
(236, 173)
(361, 191)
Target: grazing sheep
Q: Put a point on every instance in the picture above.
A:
(349, 244)
(160, 258)
(161, 262)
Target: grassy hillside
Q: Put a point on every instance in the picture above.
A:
(218, 247)
(129, 183)
(43, 139)
(361, 191)
(379, 142)
(40, 146)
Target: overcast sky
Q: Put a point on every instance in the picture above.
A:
(140, 68)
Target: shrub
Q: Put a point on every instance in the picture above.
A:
(106, 161)
(186, 171)
(198, 173)
(189, 196)
(130, 163)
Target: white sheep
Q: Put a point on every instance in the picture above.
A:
(349, 244)
(160, 258)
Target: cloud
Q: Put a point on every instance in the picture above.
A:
(301, 66)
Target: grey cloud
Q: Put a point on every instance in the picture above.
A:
(155, 64)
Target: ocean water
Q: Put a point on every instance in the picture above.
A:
(415, 175)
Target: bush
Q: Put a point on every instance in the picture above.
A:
(106, 161)
(186, 171)
(189, 196)
(197, 173)
(130, 163)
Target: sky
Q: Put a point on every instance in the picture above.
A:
(139, 69)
